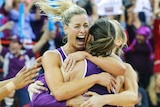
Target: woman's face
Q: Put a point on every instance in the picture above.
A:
(15, 47)
(77, 31)
(140, 38)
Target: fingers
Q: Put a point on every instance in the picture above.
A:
(69, 61)
(23, 69)
(72, 65)
(90, 93)
(113, 83)
(36, 87)
(39, 83)
(109, 88)
(65, 63)
(86, 104)
(39, 86)
(39, 60)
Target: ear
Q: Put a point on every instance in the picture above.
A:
(65, 27)
(118, 42)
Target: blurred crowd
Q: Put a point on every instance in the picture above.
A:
(23, 23)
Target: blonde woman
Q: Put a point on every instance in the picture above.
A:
(76, 27)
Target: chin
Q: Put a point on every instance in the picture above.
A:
(81, 48)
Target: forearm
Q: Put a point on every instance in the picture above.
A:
(109, 64)
(41, 42)
(6, 89)
(2, 83)
(126, 98)
(71, 89)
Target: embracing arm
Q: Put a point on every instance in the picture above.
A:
(111, 64)
(64, 90)
(129, 96)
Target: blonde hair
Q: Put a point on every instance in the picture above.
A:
(152, 89)
(62, 10)
(119, 34)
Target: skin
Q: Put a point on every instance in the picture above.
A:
(24, 77)
(120, 99)
(51, 62)
(128, 90)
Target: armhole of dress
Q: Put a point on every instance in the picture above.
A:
(85, 70)
(63, 52)
(59, 55)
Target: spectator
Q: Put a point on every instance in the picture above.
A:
(140, 55)
(24, 76)
(14, 15)
(15, 58)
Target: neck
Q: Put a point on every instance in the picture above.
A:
(69, 49)
(114, 50)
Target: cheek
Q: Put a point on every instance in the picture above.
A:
(87, 30)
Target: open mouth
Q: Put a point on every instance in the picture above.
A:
(81, 39)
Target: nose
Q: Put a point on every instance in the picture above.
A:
(82, 29)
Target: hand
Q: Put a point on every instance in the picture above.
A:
(107, 80)
(76, 101)
(94, 101)
(38, 62)
(36, 88)
(25, 76)
(72, 58)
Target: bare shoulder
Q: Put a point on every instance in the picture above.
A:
(130, 71)
(51, 56)
(50, 53)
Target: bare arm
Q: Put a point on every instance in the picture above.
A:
(4, 91)
(42, 41)
(2, 83)
(128, 97)
(24, 77)
(54, 78)
(111, 64)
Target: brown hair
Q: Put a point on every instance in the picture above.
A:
(104, 34)
(119, 34)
